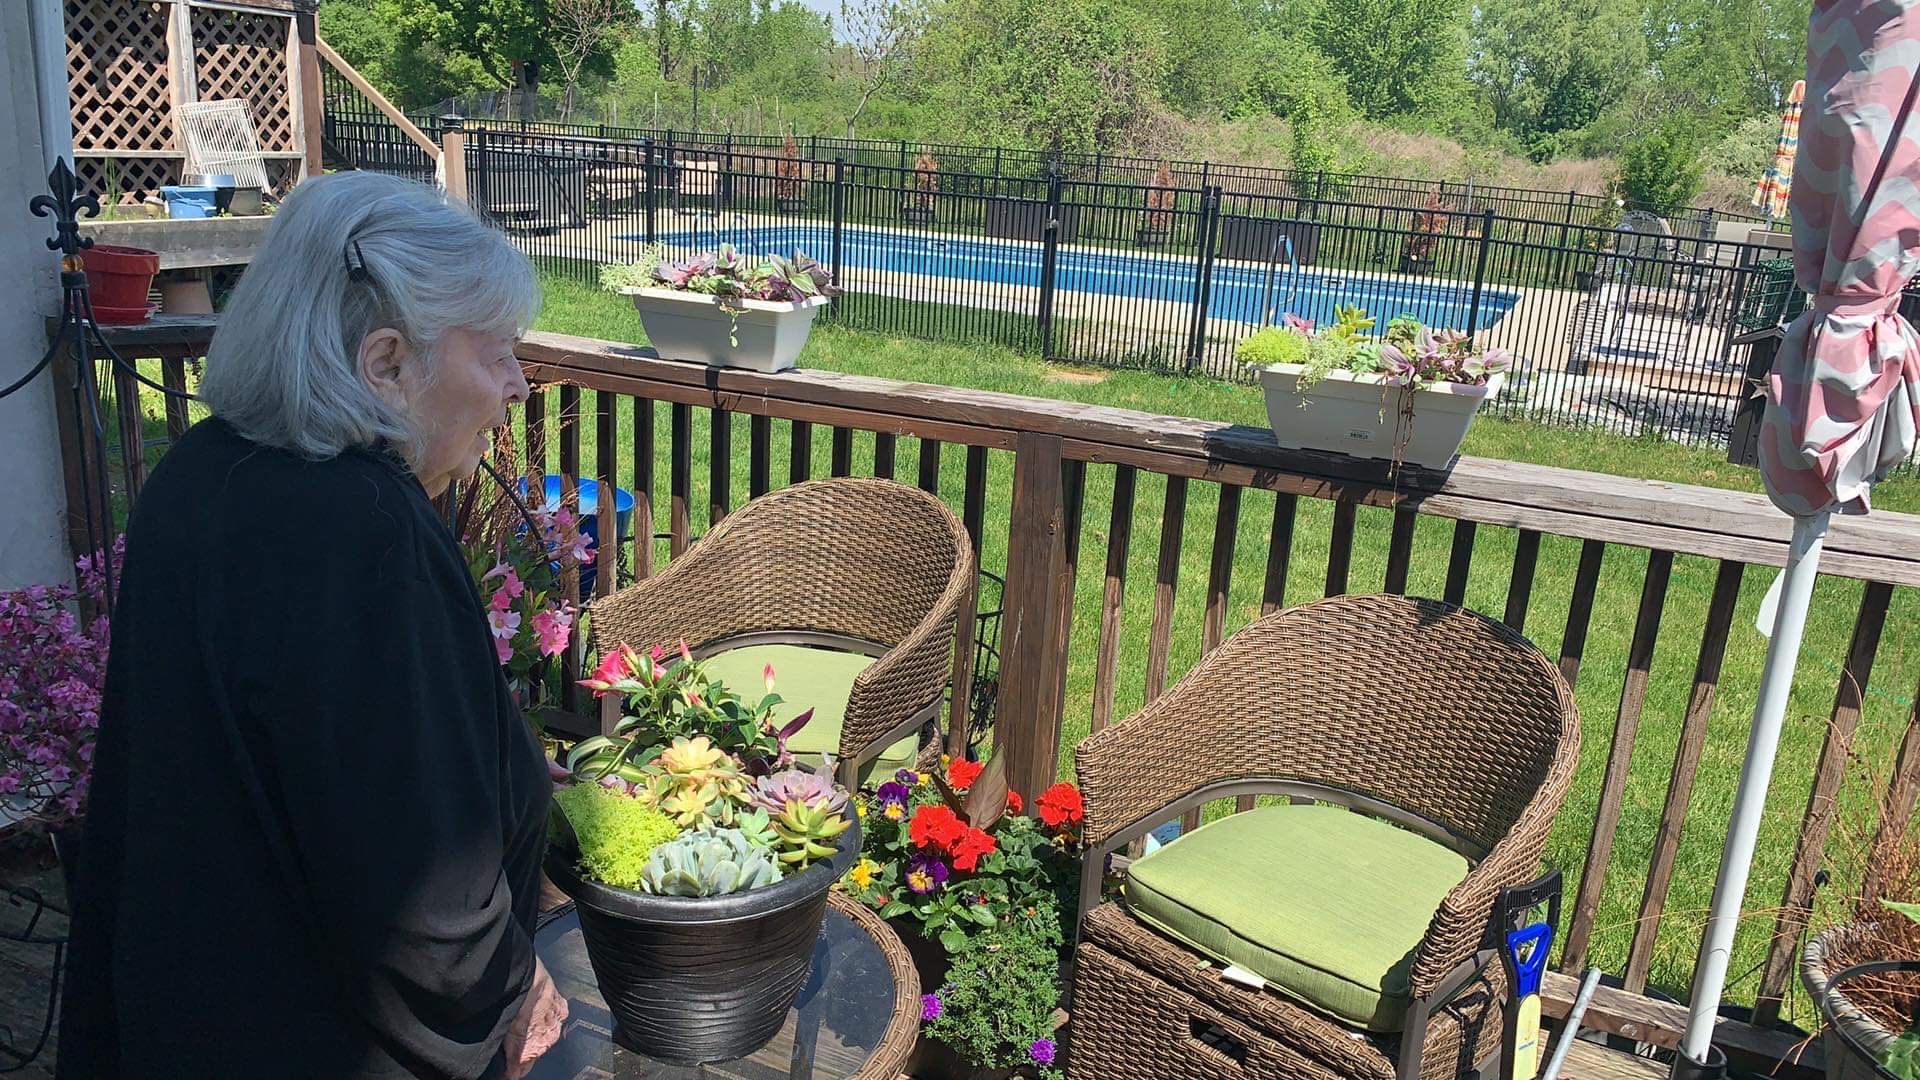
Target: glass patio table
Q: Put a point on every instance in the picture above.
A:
(855, 1018)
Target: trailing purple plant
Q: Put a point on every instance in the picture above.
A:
(52, 670)
(727, 274)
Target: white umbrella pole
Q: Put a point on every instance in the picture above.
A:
(1750, 797)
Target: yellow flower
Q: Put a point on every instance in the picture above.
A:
(924, 777)
(895, 811)
(945, 760)
(862, 873)
(860, 808)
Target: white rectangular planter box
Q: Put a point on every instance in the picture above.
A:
(1356, 415)
(694, 327)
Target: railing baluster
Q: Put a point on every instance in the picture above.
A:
(569, 492)
(1273, 590)
(1526, 555)
(885, 448)
(1586, 581)
(606, 451)
(1400, 548)
(1166, 578)
(1073, 479)
(173, 376)
(974, 511)
(842, 451)
(930, 466)
(1460, 562)
(1613, 787)
(759, 454)
(1797, 902)
(133, 433)
(1340, 546)
(1106, 662)
(800, 453)
(642, 488)
(1686, 762)
(679, 479)
(1896, 807)
(719, 465)
(536, 446)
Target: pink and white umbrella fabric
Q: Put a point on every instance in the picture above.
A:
(1843, 402)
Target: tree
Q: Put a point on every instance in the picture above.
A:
(580, 31)
(1661, 168)
(506, 38)
(411, 73)
(879, 36)
(1398, 56)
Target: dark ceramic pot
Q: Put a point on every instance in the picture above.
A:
(695, 980)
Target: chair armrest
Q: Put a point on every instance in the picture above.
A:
(681, 602)
(1463, 924)
(912, 673)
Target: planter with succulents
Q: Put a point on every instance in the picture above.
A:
(698, 857)
(725, 309)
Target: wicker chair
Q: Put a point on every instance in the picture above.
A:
(1438, 720)
(853, 566)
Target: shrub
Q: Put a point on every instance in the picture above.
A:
(617, 832)
(1661, 168)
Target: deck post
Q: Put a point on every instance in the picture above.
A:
(1033, 665)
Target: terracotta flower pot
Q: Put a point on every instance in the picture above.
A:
(119, 277)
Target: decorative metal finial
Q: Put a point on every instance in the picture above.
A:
(64, 206)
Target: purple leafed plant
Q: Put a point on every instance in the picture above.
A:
(811, 789)
(727, 273)
(52, 670)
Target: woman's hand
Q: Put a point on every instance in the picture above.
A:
(538, 1026)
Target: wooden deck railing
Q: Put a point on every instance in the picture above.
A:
(1656, 532)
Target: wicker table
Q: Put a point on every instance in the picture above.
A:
(855, 1019)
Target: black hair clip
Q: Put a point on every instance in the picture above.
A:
(357, 264)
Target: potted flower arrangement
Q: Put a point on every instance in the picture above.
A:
(1154, 231)
(789, 190)
(918, 209)
(1407, 395)
(1429, 223)
(726, 309)
(1864, 974)
(976, 891)
(698, 857)
(53, 666)
(521, 559)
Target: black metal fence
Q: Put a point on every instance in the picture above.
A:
(1622, 330)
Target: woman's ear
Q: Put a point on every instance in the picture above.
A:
(382, 355)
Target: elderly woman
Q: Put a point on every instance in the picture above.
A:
(317, 818)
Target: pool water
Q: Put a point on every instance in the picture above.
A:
(1239, 291)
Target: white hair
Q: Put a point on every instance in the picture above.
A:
(283, 368)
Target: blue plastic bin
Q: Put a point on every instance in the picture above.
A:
(590, 515)
(189, 200)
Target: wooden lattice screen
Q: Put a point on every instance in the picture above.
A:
(122, 71)
(240, 54)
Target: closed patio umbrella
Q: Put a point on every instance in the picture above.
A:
(1770, 195)
(1844, 397)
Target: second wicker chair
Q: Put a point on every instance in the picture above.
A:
(850, 588)
(1427, 750)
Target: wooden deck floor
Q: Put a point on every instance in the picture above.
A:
(1591, 1061)
(26, 970)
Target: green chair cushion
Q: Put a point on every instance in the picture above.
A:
(807, 678)
(1326, 905)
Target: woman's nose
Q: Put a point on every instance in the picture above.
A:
(517, 389)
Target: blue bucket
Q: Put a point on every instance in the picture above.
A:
(189, 200)
(589, 491)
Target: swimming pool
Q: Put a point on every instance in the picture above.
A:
(1238, 292)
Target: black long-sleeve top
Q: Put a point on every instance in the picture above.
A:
(313, 838)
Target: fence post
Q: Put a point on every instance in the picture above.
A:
(1566, 226)
(726, 174)
(453, 158)
(1208, 230)
(839, 211)
(1480, 270)
(652, 175)
(1049, 261)
(1033, 665)
(481, 181)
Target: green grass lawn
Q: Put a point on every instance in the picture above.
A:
(576, 309)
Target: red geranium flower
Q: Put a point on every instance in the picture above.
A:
(961, 773)
(1014, 805)
(935, 825)
(1060, 805)
(968, 849)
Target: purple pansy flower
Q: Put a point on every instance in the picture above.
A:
(892, 797)
(1042, 1051)
(925, 874)
(929, 1007)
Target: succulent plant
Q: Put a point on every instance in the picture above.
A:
(696, 783)
(757, 826)
(708, 862)
(616, 833)
(808, 832)
(775, 791)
